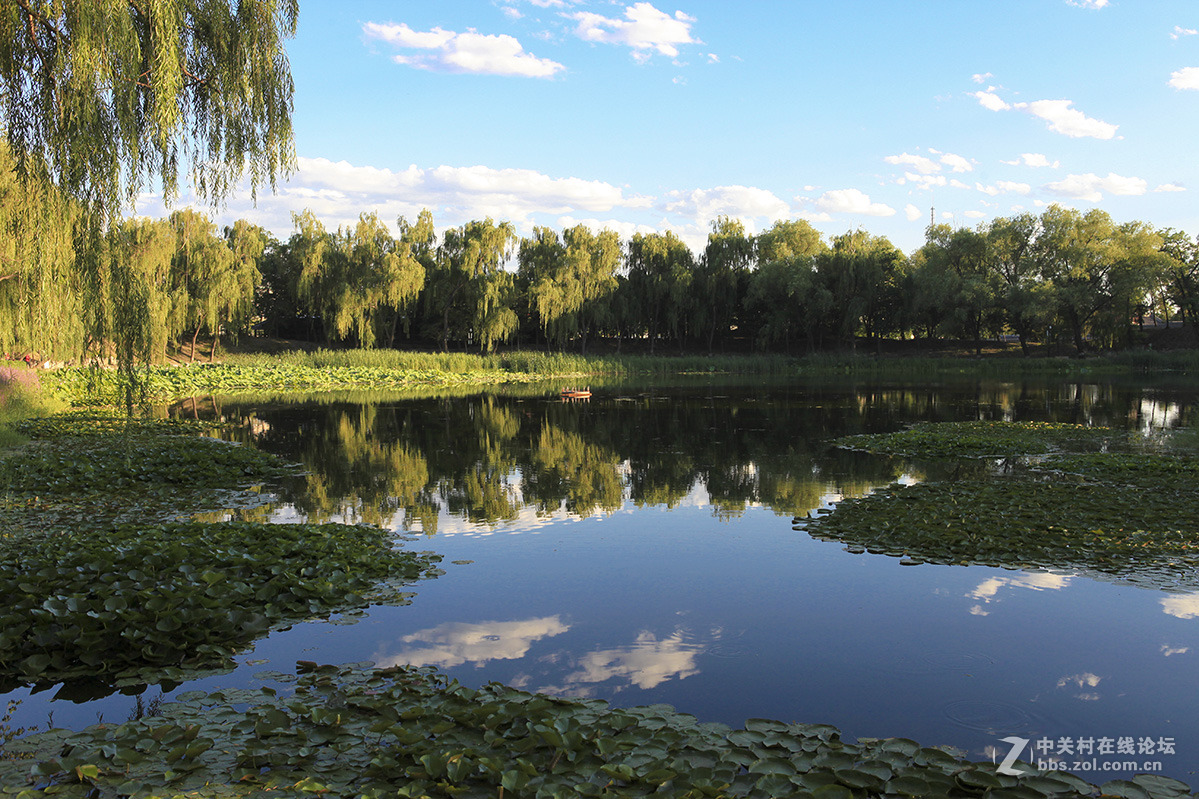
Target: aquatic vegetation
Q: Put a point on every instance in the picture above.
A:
(1153, 472)
(107, 463)
(358, 731)
(982, 439)
(1072, 510)
(134, 600)
(1023, 523)
(101, 421)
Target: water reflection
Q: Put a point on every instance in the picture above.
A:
(1184, 606)
(988, 590)
(455, 643)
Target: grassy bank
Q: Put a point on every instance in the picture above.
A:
(22, 397)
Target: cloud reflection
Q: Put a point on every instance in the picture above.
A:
(648, 662)
(454, 643)
(1184, 606)
(988, 590)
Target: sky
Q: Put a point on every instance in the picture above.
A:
(655, 116)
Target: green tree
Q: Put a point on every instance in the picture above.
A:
(784, 297)
(1077, 253)
(1011, 253)
(469, 294)
(138, 274)
(660, 269)
(41, 306)
(721, 278)
(102, 97)
(1181, 275)
(863, 275)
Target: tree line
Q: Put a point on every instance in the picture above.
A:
(1062, 275)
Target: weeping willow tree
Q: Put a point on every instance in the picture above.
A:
(40, 302)
(101, 98)
(139, 259)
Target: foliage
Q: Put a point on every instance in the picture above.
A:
(981, 439)
(134, 599)
(357, 731)
(104, 97)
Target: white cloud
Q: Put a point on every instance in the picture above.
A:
(338, 192)
(957, 184)
(742, 202)
(990, 100)
(981, 77)
(713, 58)
(1184, 606)
(1068, 121)
(470, 52)
(1095, 4)
(974, 214)
(644, 28)
(1185, 78)
(1033, 160)
(1169, 187)
(988, 190)
(512, 13)
(912, 212)
(1013, 187)
(957, 163)
(1091, 187)
(1168, 650)
(1180, 31)
(923, 182)
(851, 201)
(923, 165)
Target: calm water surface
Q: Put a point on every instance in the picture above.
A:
(640, 548)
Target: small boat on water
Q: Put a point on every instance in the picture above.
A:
(576, 393)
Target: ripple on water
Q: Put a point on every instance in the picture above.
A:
(987, 716)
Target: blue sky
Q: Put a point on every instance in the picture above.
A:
(659, 115)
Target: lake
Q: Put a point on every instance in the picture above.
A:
(648, 545)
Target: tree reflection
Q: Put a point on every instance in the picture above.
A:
(403, 460)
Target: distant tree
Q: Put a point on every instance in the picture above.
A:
(1181, 273)
(468, 292)
(660, 268)
(1011, 253)
(862, 274)
(784, 297)
(1077, 253)
(721, 278)
(138, 268)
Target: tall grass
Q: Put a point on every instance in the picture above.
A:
(22, 397)
(522, 361)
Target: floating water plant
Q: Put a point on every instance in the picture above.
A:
(406, 732)
(134, 600)
(982, 439)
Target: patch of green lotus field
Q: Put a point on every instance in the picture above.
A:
(355, 731)
(1071, 498)
(100, 582)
